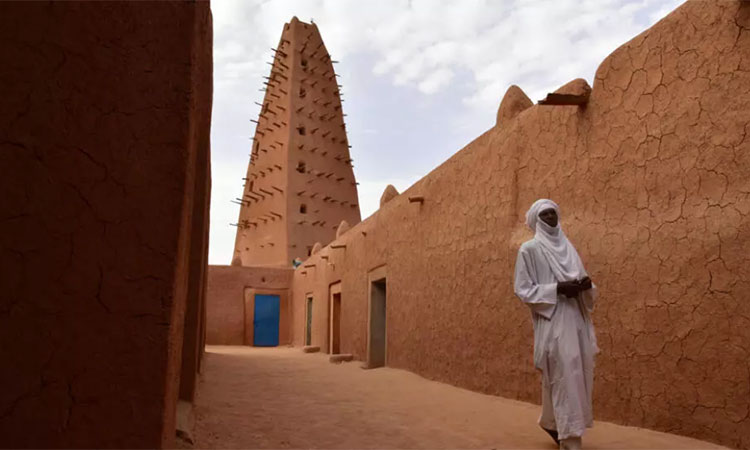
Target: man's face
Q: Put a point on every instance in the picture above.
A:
(549, 216)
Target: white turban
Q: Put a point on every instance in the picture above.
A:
(532, 216)
(560, 253)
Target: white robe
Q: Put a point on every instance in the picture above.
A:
(564, 343)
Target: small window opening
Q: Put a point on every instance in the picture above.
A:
(303, 208)
(303, 62)
(302, 92)
(251, 186)
(301, 167)
(309, 251)
(301, 131)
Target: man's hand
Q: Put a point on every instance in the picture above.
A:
(585, 284)
(568, 288)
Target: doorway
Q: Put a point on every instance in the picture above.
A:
(308, 323)
(376, 346)
(266, 321)
(335, 338)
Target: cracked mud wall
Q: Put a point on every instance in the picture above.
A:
(652, 178)
(103, 134)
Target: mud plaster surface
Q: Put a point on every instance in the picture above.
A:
(652, 178)
(283, 398)
(103, 108)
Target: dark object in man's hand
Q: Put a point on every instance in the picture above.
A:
(568, 288)
(585, 284)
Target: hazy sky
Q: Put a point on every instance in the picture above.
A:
(421, 78)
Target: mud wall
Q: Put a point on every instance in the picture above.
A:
(652, 179)
(195, 313)
(104, 130)
(229, 302)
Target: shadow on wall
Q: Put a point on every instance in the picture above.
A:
(104, 145)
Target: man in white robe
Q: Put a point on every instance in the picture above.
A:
(551, 280)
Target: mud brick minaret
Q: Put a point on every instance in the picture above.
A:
(300, 184)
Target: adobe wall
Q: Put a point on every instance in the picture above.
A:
(229, 302)
(652, 180)
(104, 130)
(193, 346)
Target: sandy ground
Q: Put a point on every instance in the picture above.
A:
(282, 398)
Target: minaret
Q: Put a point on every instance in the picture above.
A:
(300, 184)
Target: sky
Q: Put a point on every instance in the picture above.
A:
(421, 78)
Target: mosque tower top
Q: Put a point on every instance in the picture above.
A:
(300, 184)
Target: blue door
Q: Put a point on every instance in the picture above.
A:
(266, 321)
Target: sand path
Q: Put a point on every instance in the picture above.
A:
(282, 398)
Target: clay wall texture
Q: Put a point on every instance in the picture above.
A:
(104, 129)
(194, 329)
(652, 179)
(299, 184)
(229, 309)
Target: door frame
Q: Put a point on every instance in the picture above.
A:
(374, 275)
(334, 288)
(309, 307)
